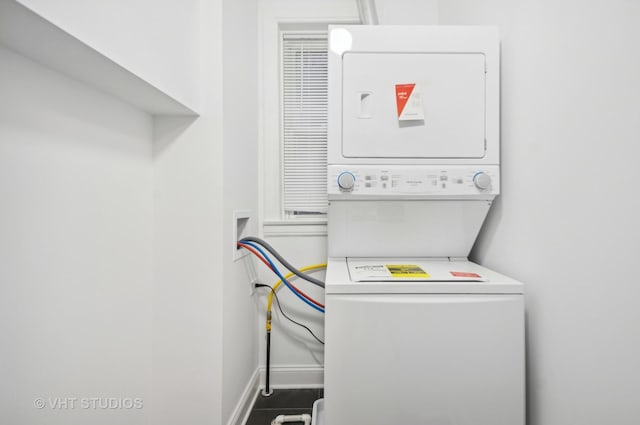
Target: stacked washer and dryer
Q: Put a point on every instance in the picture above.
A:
(415, 332)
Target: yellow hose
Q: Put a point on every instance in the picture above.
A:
(277, 285)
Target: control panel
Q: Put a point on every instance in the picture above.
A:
(412, 181)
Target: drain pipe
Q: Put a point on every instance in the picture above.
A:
(280, 419)
(367, 12)
(267, 390)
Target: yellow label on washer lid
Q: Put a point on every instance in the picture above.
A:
(406, 270)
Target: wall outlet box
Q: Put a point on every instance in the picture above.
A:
(242, 225)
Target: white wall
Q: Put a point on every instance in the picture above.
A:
(566, 222)
(111, 240)
(188, 248)
(240, 193)
(156, 40)
(75, 252)
(407, 12)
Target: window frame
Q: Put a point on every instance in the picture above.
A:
(277, 16)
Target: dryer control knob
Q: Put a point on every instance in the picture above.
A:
(346, 181)
(482, 180)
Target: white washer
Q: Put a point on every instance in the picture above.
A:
(415, 333)
(439, 350)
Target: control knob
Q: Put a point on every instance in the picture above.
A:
(482, 181)
(346, 181)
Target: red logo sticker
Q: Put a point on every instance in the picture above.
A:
(403, 92)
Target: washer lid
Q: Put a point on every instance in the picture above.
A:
(411, 270)
(414, 276)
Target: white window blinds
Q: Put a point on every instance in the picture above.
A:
(304, 123)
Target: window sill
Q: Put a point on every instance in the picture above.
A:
(313, 227)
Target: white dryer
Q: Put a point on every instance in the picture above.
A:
(414, 332)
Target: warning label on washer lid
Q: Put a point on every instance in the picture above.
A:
(409, 102)
(388, 272)
(406, 270)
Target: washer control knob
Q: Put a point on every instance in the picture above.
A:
(346, 181)
(482, 180)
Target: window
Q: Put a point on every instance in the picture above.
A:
(304, 123)
(293, 200)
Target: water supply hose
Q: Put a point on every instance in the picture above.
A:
(267, 389)
(283, 261)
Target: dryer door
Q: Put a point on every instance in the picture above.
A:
(413, 105)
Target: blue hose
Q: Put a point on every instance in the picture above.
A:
(277, 272)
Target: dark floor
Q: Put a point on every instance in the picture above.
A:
(283, 402)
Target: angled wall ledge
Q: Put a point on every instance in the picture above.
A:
(29, 34)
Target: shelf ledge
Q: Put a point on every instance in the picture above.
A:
(29, 34)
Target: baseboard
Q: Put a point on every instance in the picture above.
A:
(295, 376)
(243, 408)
